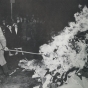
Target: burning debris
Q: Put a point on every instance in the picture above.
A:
(66, 53)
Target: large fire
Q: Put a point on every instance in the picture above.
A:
(67, 50)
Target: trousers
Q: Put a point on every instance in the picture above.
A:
(2, 58)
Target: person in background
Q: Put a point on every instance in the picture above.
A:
(14, 31)
(9, 38)
(24, 30)
(3, 26)
(19, 25)
(17, 39)
(3, 48)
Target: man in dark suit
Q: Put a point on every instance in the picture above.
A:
(8, 35)
(16, 36)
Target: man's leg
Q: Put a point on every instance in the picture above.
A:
(5, 70)
(3, 63)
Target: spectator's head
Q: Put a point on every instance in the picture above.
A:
(18, 19)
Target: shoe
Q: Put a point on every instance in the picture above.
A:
(5, 70)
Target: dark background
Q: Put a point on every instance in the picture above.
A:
(55, 13)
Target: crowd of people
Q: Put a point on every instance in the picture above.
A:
(19, 32)
(15, 34)
(14, 31)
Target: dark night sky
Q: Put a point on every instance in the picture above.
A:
(41, 8)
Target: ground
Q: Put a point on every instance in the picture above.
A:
(19, 78)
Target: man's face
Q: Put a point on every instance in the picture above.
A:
(18, 21)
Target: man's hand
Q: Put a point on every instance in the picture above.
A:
(6, 48)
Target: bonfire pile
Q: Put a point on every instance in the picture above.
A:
(66, 51)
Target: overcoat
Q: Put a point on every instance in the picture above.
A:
(2, 46)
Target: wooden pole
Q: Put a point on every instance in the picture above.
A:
(25, 52)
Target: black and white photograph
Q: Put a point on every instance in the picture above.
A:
(43, 43)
